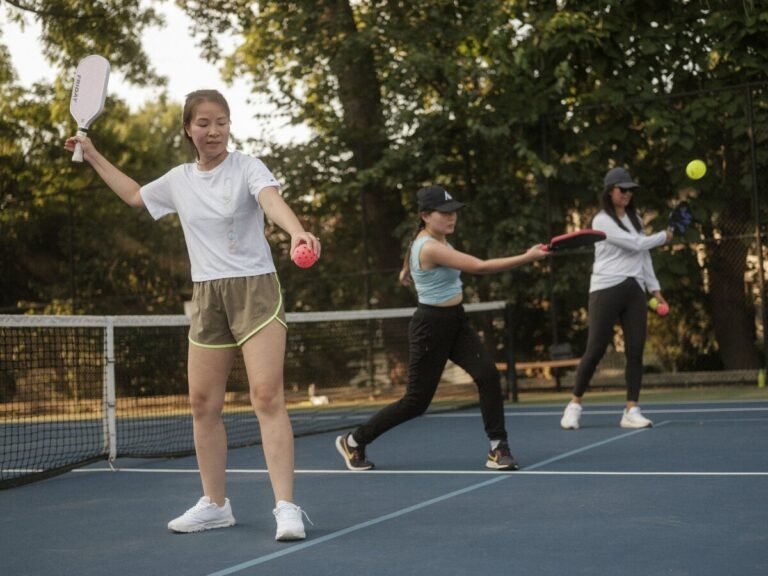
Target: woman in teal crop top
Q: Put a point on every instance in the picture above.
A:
(439, 331)
(433, 285)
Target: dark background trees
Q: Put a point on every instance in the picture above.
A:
(518, 107)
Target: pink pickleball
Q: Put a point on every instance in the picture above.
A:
(303, 256)
(662, 309)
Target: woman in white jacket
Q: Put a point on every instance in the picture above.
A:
(621, 276)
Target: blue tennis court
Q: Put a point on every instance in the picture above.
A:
(687, 497)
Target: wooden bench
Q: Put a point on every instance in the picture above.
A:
(522, 366)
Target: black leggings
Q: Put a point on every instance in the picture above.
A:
(435, 335)
(624, 303)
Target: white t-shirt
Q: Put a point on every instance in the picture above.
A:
(623, 255)
(220, 214)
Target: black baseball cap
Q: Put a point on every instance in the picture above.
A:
(619, 177)
(436, 198)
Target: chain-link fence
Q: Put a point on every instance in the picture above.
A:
(714, 276)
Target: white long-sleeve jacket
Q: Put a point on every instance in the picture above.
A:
(623, 255)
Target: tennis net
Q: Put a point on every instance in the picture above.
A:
(77, 389)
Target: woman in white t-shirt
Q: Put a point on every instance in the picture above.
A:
(621, 276)
(222, 200)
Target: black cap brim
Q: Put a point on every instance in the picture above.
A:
(450, 206)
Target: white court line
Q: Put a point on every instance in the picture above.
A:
(355, 528)
(672, 474)
(590, 446)
(532, 469)
(495, 478)
(605, 411)
(372, 472)
(526, 472)
(403, 511)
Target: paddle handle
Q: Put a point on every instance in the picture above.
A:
(77, 155)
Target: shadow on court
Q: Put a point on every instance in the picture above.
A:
(684, 498)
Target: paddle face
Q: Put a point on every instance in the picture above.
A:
(89, 91)
(572, 240)
(681, 218)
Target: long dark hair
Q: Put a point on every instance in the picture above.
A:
(631, 210)
(406, 269)
(194, 99)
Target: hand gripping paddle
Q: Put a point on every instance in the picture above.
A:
(89, 91)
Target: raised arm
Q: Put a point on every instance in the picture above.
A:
(623, 239)
(121, 184)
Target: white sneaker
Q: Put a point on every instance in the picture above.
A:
(571, 416)
(205, 515)
(633, 418)
(290, 525)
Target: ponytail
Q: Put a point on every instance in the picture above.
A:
(405, 272)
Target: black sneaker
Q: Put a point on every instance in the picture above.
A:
(353, 457)
(501, 458)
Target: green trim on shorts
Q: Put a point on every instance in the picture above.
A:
(211, 346)
(275, 316)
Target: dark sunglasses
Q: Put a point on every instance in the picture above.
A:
(624, 190)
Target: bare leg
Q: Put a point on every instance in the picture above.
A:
(208, 370)
(264, 355)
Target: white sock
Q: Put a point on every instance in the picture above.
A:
(495, 444)
(351, 441)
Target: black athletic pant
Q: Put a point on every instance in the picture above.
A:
(624, 303)
(435, 335)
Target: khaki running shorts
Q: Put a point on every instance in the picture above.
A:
(225, 313)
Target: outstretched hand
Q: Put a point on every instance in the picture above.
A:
(312, 241)
(537, 252)
(680, 218)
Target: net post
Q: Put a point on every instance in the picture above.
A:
(110, 419)
(511, 392)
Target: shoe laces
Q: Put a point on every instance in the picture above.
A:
(201, 505)
(358, 452)
(290, 507)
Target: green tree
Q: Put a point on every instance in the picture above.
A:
(72, 29)
(519, 106)
(67, 244)
(395, 94)
(654, 92)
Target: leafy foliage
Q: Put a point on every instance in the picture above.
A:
(518, 107)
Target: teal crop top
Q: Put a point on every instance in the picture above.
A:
(436, 285)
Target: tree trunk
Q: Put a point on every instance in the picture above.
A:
(733, 313)
(365, 135)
